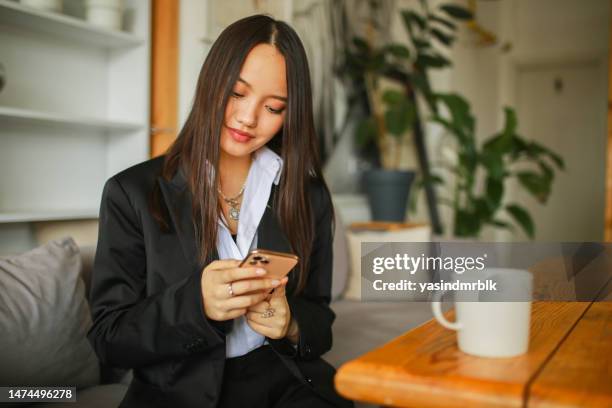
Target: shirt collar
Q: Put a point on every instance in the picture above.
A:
(270, 162)
(264, 157)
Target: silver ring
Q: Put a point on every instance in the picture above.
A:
(268, 313)
(230, 290)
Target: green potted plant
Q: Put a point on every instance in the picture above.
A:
(479, 172)
(387, 79)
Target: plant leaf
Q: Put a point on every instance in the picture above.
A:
(398, 50)
(467, 224)
(495, 192)
(449, 126)
(442, 37)
(421, 44)
(522, 217)
(547, 171)
(459, 109)
(377, 61)
(391, 97)
(498, 144)
(535, 149)
(361, 44)
(536, 184)
(482, 209)
(410, 18)
(366, 131)
(432, 61)
(501, 224)
(457, 105)
(399, 118)
(505, 141)
(407, 20)
(468, 159)
(494, 164)
(509, 122)
(458, 12)
(395, 122)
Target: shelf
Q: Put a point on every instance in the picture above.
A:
(67, 27)
(28, 117)
(10, 217)
(75, 112)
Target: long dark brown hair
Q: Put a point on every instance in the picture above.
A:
(296, 142)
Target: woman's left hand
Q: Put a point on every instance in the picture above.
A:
(277, 325)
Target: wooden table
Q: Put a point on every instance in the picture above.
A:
(569, 364)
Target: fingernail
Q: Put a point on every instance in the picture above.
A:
(260, 271)
(275, 282)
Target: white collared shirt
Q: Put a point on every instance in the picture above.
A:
(265, 170)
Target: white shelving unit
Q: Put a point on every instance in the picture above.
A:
(68, 27)
(74, 109)
(43, 119)
(49, 216)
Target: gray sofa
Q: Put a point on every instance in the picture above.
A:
(359, 327)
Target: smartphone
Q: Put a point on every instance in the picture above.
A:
(278, 264)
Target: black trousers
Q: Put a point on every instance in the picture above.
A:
(260, 379)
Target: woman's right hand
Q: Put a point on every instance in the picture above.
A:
(249, 287)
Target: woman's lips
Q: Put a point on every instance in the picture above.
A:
(239, 137)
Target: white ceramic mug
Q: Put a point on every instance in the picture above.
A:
(491, 328)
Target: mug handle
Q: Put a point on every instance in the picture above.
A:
(436, 306)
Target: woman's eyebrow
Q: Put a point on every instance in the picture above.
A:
(282, 98)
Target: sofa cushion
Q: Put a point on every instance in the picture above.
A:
(44, 318)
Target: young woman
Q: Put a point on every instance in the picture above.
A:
(168, 297)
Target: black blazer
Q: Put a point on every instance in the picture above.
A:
(147, 305)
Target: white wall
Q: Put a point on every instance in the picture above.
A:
(192, 52)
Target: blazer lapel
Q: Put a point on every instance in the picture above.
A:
(270, 236)
(269, 233)
(178, 200)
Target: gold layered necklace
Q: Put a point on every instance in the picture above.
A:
(233, 202)
(234, 211)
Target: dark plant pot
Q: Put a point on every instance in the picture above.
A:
(387, 192)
